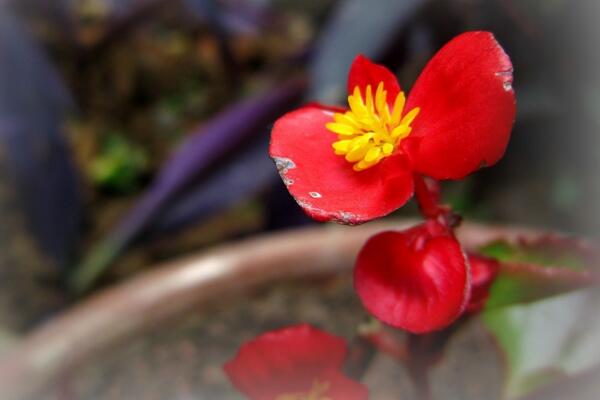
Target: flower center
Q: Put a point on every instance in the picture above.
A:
(318, 391)
(370, 131)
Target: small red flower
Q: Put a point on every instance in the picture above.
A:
(417, 279)
(294, 363)
(353, 165)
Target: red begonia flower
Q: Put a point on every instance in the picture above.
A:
(483, 273)
(294, 363)
(353, 165)
(417, 279)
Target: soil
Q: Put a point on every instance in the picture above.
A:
(182, 359)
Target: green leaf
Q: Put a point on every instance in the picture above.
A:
(119, 166)
(544, 252)
(533, 270)
(547, 340)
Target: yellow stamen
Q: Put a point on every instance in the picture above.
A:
(370, 131)
(341, 147)
(387, 148)
(341, 129)
(400, 131)
(369, 97)
(373, 154)
(380, 98)
(409, 118)
(318, 391)
(398, 108)
(358, 151)
(346, 120)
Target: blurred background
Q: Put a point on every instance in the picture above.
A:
(133, 132)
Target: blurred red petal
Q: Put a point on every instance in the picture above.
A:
(343, 388)
(483, 273)
(416, 279)
(323, 183)
(364, 72)
(290, 360)
(467, 108)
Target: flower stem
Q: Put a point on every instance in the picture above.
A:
(428, 193)
(422, 352)
(422, 387)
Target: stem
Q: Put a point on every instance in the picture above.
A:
(428, 192)
(422, 354)
(360, 355)
(384, 340)
(422, 386)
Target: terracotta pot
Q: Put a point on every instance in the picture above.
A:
(89, 328)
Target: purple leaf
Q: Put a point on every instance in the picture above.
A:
(357, 26)
(222, 189)
(33, 104)
(28, 82)
(192, 161)
(235, 16)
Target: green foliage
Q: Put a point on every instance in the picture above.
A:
(548, 256)
(119, 166)
(547, 339)
(506, 291)
(533, 271)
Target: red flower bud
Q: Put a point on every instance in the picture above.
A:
(417, 279)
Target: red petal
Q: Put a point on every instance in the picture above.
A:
(415, 280)
(343, 388)
(467, 108)
(364, 72)
(285, 361)
(324, 184)
(483, 273)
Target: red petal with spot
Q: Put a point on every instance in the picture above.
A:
(467, 108)
(416, 279)
(364, 72)
(291, 360)
(323, 183)
(483, 273)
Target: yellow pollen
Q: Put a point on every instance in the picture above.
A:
(370, 130)
(318, 391)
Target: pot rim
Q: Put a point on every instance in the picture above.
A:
(170, 289)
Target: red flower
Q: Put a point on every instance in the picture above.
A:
(294, 363)
(417, 279)
(353, 165)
